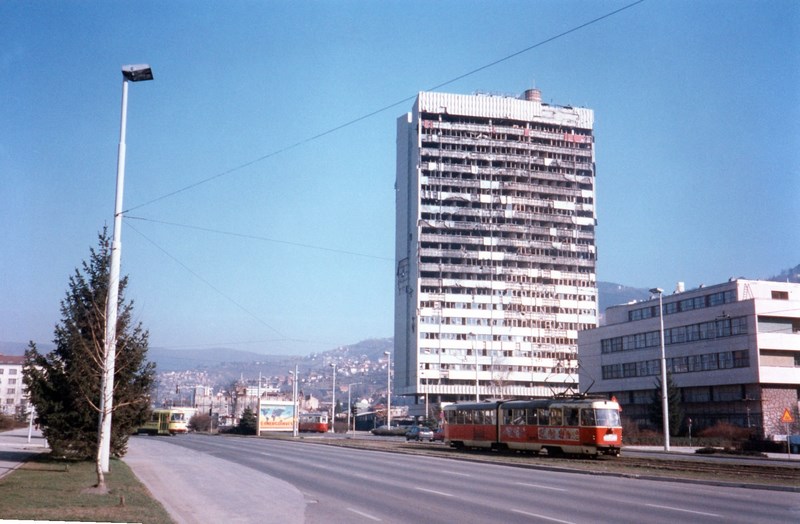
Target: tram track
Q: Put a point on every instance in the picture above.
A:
(671, 466)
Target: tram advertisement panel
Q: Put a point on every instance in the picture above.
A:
(546, 433)
(275, 415)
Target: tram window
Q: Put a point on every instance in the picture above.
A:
(516, 417)
(571, 416)
(533, 419)
(556, 417)
(587, 417)
(607, 417)
(544, 416)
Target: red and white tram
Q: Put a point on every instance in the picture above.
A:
(569, 425)
(313, 422)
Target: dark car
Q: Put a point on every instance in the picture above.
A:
(420, 433)
(385, 431)
(438, 434)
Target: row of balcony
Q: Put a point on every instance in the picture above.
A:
(499, 148)
(489, 129)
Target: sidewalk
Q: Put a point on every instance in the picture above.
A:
(16, 449)
(196, 487)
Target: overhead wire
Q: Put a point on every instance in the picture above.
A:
(209, 284)
(384, 108)
(283, 338)
(317, 137)
(258, 237)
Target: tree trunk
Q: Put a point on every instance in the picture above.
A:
(101, 478)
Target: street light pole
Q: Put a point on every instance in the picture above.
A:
(427, 394)
(350, 406)
(258, 407)
(388, 388)
(130, 73)
(333, 399)
(477, 379)
(294, 401)
(664, 398)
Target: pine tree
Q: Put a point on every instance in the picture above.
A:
(65, 384)
(673, 405)
(248, 423)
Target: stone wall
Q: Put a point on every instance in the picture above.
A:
(774, 401)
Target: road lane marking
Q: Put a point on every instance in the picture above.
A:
(540, 486)
(365, 515)
(457, 473)
(536, 515)
(684, 510)
(442, 493)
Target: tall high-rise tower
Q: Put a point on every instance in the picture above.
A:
(495, 246)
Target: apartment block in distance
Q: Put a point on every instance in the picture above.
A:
(732, 349)
(13, 394)
(495, 246)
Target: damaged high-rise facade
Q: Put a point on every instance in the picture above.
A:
(495, 246)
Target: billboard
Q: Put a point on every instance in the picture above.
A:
(275, 415)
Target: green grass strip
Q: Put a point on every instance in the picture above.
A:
(46, 488)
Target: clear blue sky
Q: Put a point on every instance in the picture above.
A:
(697, 108)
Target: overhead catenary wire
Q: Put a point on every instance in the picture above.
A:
(209, 284)
(262, 238)
(283, 338)
(313, 138)
(370, 114)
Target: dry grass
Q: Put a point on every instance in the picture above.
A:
(45, 488)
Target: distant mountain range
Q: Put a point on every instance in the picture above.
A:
(789, 275)
(609, 294)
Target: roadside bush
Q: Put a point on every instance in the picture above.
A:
(632, 434)
(200, 422)
(7, 423)
(726, 431)
(725, 435)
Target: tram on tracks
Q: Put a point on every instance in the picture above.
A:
(313, 423)
(561, 425)
(166, 422)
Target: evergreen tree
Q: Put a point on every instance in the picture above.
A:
(65, 384)
(248, 423)
(673, 405)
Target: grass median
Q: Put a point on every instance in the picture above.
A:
(45, 488)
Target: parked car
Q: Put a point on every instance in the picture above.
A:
(389, 431)
(420, 433)
(438, 434)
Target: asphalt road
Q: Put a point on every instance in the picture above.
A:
(203, 478)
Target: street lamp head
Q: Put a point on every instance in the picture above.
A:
(137, 72)
(656, 291)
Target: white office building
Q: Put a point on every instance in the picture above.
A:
(732, 350)
(13, 394)
(495, 246)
